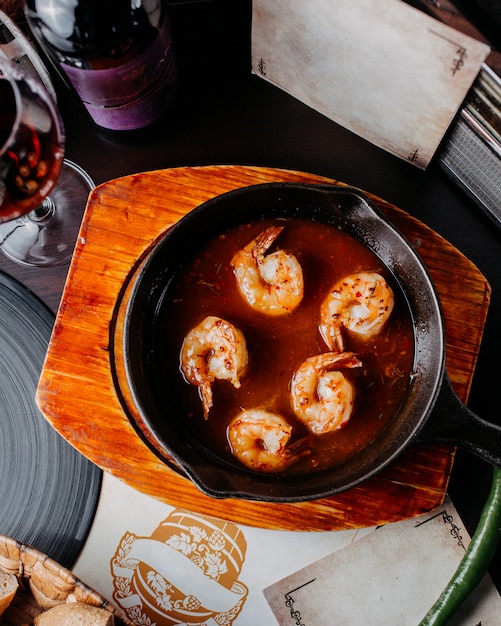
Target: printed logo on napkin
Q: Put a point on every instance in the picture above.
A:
(165, 566)
(185, 573)
(388, 578)
(380, 68)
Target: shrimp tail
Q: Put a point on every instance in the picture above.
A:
(340, 360)
(298, 450)
(332, 335)
(349, 360)
(206, 394)
(264, 240)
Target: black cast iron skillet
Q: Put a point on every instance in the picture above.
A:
(431, 412)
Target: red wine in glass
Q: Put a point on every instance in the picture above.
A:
(42, 195)
(33, 154)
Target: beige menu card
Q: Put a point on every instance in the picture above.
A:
(169, 567)
(390, 578)
(380, 68)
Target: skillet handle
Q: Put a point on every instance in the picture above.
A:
(451, 422)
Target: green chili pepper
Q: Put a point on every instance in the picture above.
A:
(475, 561)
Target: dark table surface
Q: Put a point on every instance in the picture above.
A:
(226, 115)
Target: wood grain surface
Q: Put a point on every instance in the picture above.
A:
(78, 394)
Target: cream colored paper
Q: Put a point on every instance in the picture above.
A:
(379, 68)
(169, 567)
(390, 578)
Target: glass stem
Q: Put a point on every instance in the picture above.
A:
(44, 211)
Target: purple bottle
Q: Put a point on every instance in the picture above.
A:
(117, 54)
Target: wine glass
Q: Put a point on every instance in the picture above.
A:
(39, 219)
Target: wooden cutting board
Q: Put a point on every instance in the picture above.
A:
(78, 389)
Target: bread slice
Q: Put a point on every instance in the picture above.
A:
(8, 588)
(75, 614)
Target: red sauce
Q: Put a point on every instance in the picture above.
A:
(278, 345)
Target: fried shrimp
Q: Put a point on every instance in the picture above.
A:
(360, 303)
(272, 284)
(213, 349)
(322, 397)
(260, 439)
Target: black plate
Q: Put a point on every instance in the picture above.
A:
(48, 490)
